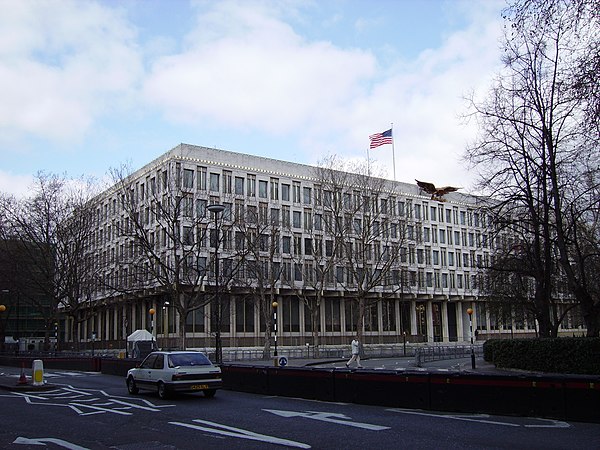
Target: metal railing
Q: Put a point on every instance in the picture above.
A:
(440, 353)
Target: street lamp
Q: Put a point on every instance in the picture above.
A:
(2, 329)
(217, 209)
(152, 312)
(470, 313)
(16, 333)
(275, 304)
(165, 322)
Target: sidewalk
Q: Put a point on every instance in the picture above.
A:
(391, 363)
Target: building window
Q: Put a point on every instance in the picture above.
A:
(333, 321)
(262, 189)
(188, 179)
(296, 219)
(214, 182)
(195, 321)
(239, 186)
(285, 192)
(287, 244)
(244, 315)
(285, 216)
(275, 217)
(307, 193)
(274, 189)
(318, 222)
(251, 184)
(307, 220)
(308, 248)
(188, 206)
(351, 315)
(297, 245)
(188, 235)
(291, 314)
(297, 272)
(200, 178)
(296, 191)
(227, 181)
(388, 314)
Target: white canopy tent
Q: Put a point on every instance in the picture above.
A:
(140, 343)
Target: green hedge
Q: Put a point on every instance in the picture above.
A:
(560, 355)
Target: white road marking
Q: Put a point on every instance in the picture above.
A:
(133, 405)
(553, 424)
(42, 441)
(225, 430)
(481, 418)
(98, 408)
(328, 417)
(476, 418)
(88, 402)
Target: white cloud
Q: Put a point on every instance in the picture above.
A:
(247, 68)
(17, 185)
(65, 65)
(63, 62)
(425, 101)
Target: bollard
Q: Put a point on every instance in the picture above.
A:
(276, 361)
(38, 372)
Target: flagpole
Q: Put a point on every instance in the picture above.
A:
(393, 152)
(368, 161)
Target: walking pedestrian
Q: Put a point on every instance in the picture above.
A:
(355, 344)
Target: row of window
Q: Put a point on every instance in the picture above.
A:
(224, 182)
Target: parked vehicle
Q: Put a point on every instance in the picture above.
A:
(167, 372)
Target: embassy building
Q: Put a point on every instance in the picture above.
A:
(315, 252)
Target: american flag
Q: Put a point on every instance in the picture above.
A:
(378, 139)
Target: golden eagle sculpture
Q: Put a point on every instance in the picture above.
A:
(436, 193)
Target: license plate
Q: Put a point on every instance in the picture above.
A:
(199, 387)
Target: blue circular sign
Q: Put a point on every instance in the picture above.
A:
(283, 361)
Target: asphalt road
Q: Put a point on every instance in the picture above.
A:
(94, 411)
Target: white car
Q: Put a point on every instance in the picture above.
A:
(177, 371)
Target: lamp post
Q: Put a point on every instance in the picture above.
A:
(275, 304)
(2, 328)
(152, 312)
(165, 321)
(470, 313)
(93, 341)
(217, 209)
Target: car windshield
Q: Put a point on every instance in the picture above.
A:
(188, 359)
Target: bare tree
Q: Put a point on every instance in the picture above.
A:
(535, 141)
(366, 243)
(313, 263)
(258, 267)
(163, 234)
(47, 233)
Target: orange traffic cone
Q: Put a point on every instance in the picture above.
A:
(22, 378)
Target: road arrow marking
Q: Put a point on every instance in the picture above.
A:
(482, 418)
(337, 418)
(474, 418)
(239, 433)
(42, 441)
(553, 424)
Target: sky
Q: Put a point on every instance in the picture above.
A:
(87, 86)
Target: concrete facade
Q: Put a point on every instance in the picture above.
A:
(443, 248)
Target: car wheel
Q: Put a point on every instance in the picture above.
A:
(162, 390)
(209, 393)
(131, 386)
